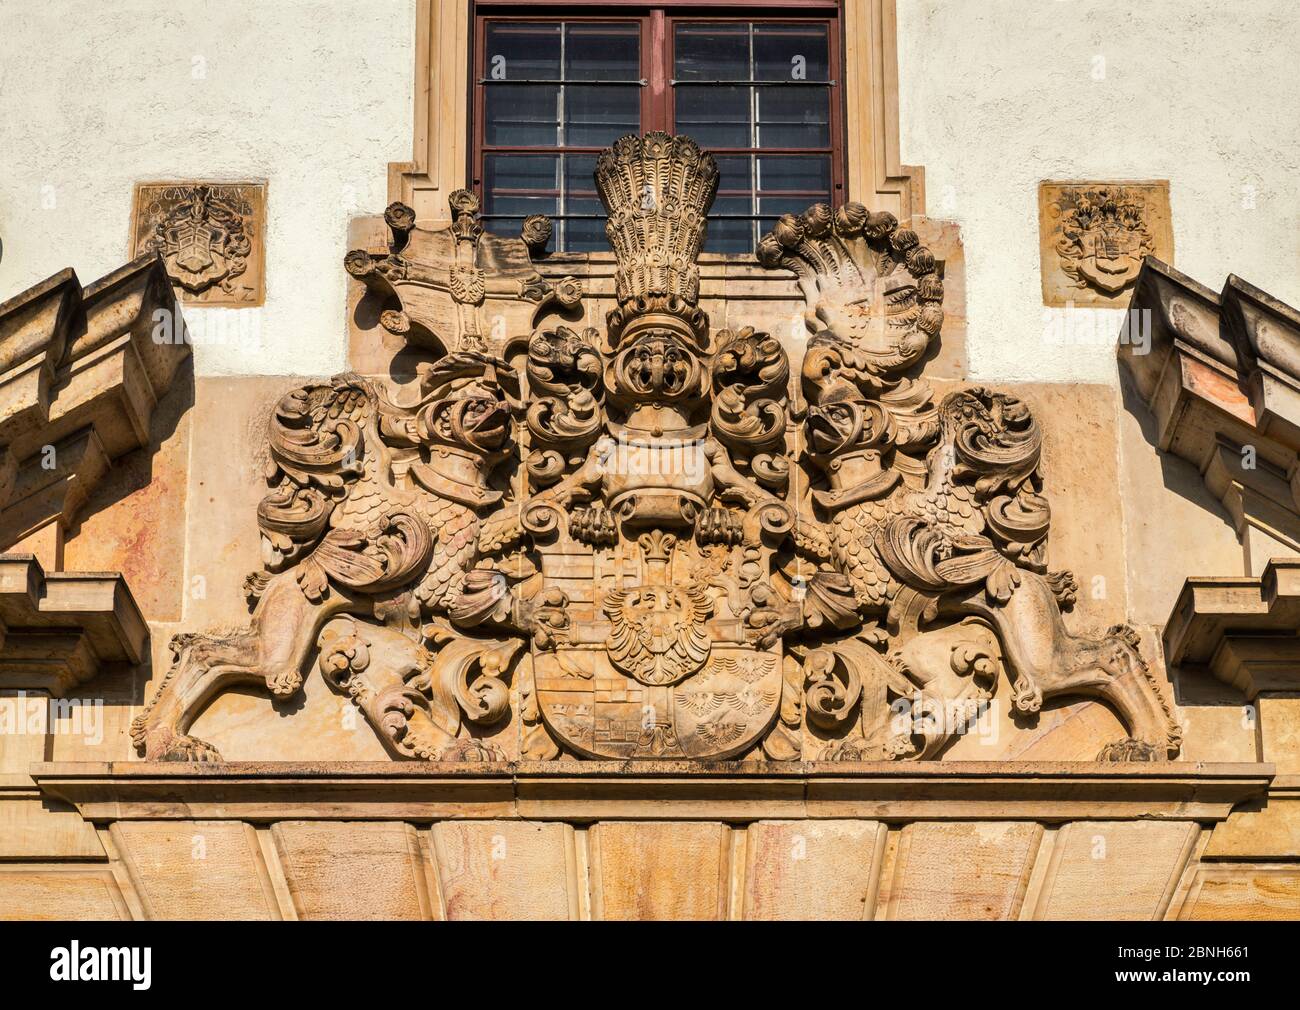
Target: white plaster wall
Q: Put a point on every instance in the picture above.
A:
(997, 95)
(314, 96)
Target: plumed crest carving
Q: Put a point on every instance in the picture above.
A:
(657, 190)
(874, 297)
(646, 544)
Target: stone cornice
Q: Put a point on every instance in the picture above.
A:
(58, 629)
(1221, 375)
(80, 375)
(664, 790)
(1241, 630)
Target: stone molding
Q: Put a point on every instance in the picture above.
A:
(664, 790)
(1221, 375)
(80, 375)
(57, 629)
(655, 840)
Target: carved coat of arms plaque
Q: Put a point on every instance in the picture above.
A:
(1095, 235)
(658, 539)
(210, 235)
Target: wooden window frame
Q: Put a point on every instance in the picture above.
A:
(657, 106)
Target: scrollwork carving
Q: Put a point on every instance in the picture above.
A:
(693, 565)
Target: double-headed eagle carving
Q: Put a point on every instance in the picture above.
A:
(656, 539)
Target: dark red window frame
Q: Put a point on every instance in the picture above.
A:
(657, 94)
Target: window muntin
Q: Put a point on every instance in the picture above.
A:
(551, 93)
(748, 89)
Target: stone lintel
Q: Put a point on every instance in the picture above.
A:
(59, 629)
(654, 790)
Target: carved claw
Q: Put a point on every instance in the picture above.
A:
(771, 624)
(594, 525)
(718, 526)
(284, 684)
(162, 744)
(470, 749)
(1130, 749)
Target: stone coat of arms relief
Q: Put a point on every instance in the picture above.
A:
(210, 238)
(659, 539)
(1095, 236)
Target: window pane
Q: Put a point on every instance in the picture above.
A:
(602, 52)
(795, 175)
(794, 117)
(736, 176)
(580, 183)
(582, 234)
(585, 235)
(596, 116)
(522, 52)
(714, 116)
(735, 199)
(790, 52)
(519, 185)
(728, 231)
(522, 115)
(711, 52)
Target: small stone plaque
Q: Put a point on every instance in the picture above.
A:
(211, 235)
(1094, 236)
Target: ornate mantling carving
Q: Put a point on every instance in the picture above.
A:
(661, 541)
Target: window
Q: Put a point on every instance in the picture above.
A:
(760, 93)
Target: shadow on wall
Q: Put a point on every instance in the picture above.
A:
(135, 471)
(1178, 475)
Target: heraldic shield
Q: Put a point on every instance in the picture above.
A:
(659, 662)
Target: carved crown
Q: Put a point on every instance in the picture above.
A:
(657, 191)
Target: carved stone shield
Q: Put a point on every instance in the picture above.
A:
(718, 712)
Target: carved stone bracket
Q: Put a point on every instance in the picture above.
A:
(81, 371)
(57, 629)
(1221, 375)
(1240, 630)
